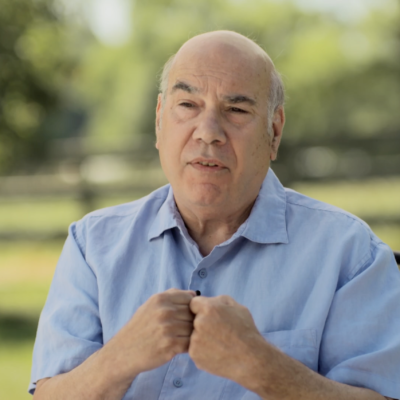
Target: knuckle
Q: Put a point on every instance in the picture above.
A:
(208, 307)
(165, 330)
(165, 343)
(171, 291)
(198, 324)
(159, 315)
(225, 299)
(157, 299)
(194, 340)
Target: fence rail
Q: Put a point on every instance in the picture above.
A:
(85, 174)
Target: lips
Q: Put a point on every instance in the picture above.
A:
(213, 163)
(208, 165)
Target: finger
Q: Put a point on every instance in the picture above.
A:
(174, 329)
(182, 313)
(225, 300)
(181, 345)
(177, 296)
(198, 303)
(183, 329)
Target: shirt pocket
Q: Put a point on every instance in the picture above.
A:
(300, 344)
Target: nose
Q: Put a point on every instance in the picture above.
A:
(209, 128)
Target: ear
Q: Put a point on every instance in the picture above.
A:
(158, 118)
(277, 129)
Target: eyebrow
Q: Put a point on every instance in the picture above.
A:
(232, 99)
(185, 87)
(240, 98)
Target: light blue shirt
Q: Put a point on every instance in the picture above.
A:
(319, 284)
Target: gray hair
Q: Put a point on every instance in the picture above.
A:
(276, 95)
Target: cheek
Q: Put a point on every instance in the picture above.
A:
(171, 146)
(259, 154)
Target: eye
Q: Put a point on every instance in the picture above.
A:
(238, 110)
(186, 104)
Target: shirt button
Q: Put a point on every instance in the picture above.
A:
(202, 273)
(178, 383)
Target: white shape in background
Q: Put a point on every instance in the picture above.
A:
(316, 162)
(110, 20)
(103, 169)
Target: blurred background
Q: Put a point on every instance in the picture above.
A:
(78, 87)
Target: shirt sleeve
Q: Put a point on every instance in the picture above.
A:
(361, 343)
(69, 328)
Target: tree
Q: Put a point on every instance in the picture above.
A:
(35, 63)
(342, 78)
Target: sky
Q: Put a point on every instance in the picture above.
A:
(110, 19)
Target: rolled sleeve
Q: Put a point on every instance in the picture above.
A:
(69, 328)
(361, 343)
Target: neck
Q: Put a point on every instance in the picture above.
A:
(209, 228)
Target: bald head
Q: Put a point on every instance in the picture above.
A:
(233, 51)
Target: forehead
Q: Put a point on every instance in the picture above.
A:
(224, 69)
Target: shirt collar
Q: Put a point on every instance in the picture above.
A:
(168, 216)
(266, 222)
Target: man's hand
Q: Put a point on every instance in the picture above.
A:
(159, 330)
(226, 342)
(225, 338)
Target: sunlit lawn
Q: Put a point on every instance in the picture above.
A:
(26, 268)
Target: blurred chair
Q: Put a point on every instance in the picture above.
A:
(397, 256)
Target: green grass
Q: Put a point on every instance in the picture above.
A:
(363, 198)
(47, 215)
(26, 270)
(15, 365)
(38, 214)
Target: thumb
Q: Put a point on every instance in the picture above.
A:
(197, 303)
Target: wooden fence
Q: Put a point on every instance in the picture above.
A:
(83, 174)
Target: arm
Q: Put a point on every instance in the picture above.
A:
(158, 331)
(226, 342)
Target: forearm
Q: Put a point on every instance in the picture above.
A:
(100, 377)
(288, 379)
(158, 331)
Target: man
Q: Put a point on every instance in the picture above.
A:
(299, 299)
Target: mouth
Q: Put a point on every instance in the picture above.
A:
(207, 164)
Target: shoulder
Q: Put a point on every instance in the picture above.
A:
(307, 206)
(112, 222)
(338, 233)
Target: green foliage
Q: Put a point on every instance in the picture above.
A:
(342, 78)
(35, 62)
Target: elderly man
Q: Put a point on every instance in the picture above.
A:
(300, 300)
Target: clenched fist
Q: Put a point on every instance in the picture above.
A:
(225, 340)
(159, 330)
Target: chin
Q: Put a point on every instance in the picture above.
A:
(206, 195)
